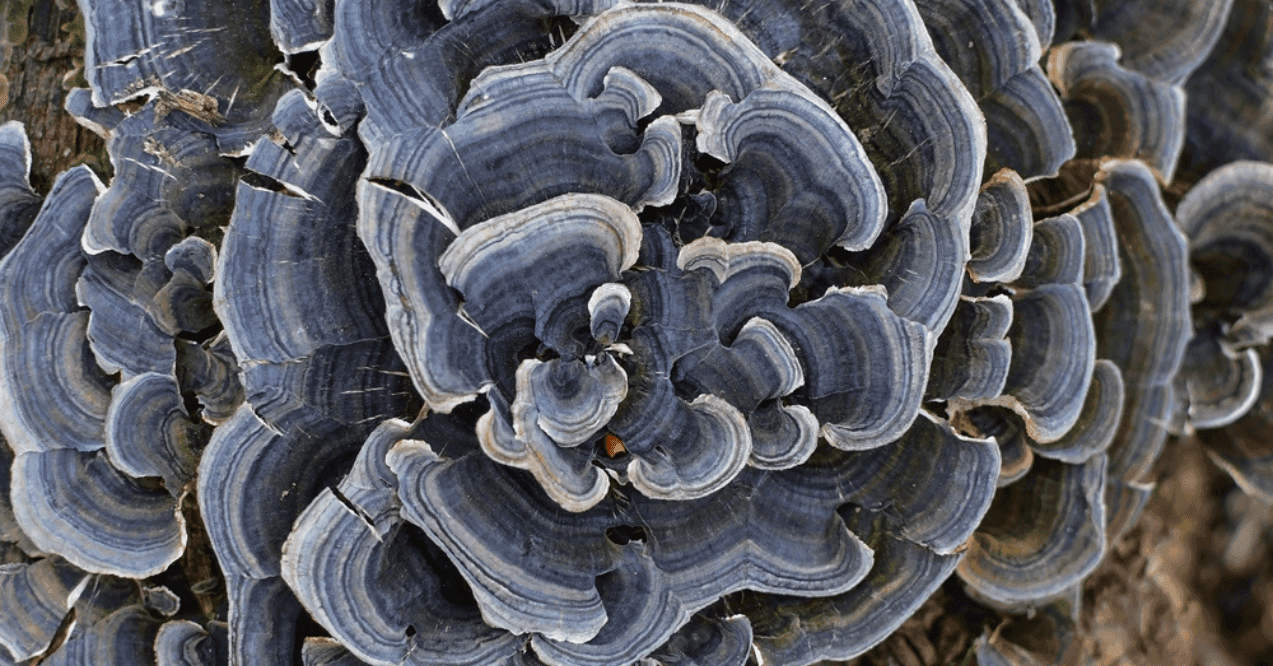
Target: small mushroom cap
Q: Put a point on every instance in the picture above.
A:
(503, 277)
(1001, 230)
(545, 118)
(973, 355)
(149, 434)
(806, 631)
(565, 473)
(170, 177)
(1053, 354)
(1025, 124)
(1228, 217)
(186, 643)
(1042, 537)
(1098, 420)
(920, 261)
(1117, 112)
(708, 640)
(100, 520)
(122, 334)
(421, 310)
(557, 597)
(1163, 40)
(907, 475)
(1102, 268)
(1220, 382)
(1146, 323)
(210, 371)
(1057, 253)
(262, 621)
(252, 484)
(377, 592)
(1242, 449)
(790, 156)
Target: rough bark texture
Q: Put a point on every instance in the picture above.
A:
(51, 52)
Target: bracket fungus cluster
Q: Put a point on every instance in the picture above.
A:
(605, 332)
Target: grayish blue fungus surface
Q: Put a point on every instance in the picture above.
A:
(580, 332)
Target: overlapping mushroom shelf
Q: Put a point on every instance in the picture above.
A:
(594, 332)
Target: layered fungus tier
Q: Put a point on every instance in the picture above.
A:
(577, 332)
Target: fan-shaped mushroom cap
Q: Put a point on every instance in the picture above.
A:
(1220, 382)
(607, 308)
(80, 507)
(55, 425)
(1039, 538)
(789, 542)
(36, 599)
(1228, 217)
(875, 402)
(906, 477)
(517, 440)
(804, 631)
(758, 544)
(120, 639)
(797, 175)
(1117, 112)
(186, 643)
(558, 148)
(1163, 40)
(642, 611)
(263, 616)
(876, 61)
(182, 51)
(354, 384)
(272, 293)
(1015, 455)
(1057, 253)
(68, 408)
(1025, 124)
(973, 355)
(379, 592)
(1001, 230)
(705, 641)
(1098, 420)
(210, 371)
(169, 177)
(1102, 268)
(124, 337)
(569, 401)
(920, 261)
(1225, 121)
(1146, 326)
(149, 434)
(422, 311)
(246, 461)
(558, 596)
(1053, 353)
(534, 264)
